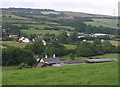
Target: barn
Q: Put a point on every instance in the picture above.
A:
(50, 60)
(99, 60)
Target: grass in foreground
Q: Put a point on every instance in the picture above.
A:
(85, 74)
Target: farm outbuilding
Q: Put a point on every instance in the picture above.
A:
(50, 60)
(99, 60)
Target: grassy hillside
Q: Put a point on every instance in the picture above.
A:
(104, 22)
(66, 27)
(80, 14)
(38, 31)
(40, 26)
(109, 55)
(112, 41)
(85, 74)
(19, 21)
(69, 46)
(14, 43)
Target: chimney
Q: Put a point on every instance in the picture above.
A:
(45, 56)
(53, 55)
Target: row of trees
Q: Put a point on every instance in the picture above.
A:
(87, 49)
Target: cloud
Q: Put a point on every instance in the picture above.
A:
(88, 6)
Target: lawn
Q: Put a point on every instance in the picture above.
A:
(84, 74)
(104, 22)
(39, 31)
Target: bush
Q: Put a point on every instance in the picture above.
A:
(23, 65)
(72, 56)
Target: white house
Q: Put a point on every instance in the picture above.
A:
(21, 38)
(81, 36)
(14, 36)
(44, 42)
(24, 40)
(100, 35)
(84, 40)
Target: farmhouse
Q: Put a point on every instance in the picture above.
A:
(50, 60)
(14, 36)
(69, 17)
(99, 60)
(24, 40)
(81, 36)
(99, 35)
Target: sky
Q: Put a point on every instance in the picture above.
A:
(105, 7)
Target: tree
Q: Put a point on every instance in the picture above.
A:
(85, 49)
(15, 56)
(74, 36)
(62, 37)
(72, 56)
(55, 48)
(68, 40)
(79, 25)
(37, 47)
(107, 46)
(96, 42)
(100, 49)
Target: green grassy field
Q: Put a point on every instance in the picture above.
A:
(52, 23)
(14, 16)
(112, 41)
(69, 46)
(19, 21)
(84, 74)
(40, 26)
(14, 43)
(80, 14)
(39, 31)
(104, 22)
(66, 27)
(109, 55)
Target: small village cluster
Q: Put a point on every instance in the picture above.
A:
(27, 40)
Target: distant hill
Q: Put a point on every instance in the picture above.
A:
(67, 13)
(81, 14)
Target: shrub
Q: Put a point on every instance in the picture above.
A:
(72, 56)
